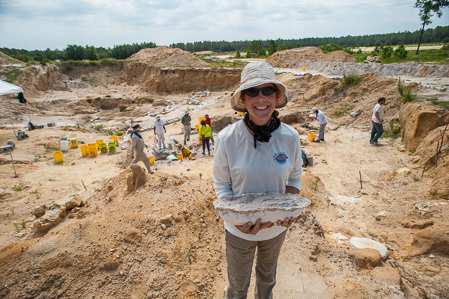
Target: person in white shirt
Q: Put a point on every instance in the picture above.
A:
(256, 155)
(321, 118)
(159, 130)
(378, 120)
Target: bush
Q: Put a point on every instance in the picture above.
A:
(330, 48)
(12, 75)
(237, 54)
(400, 52)
(261, 52)
(386, 52)
(248, 53)
(84, 79)
(282, 47)
(445, 40)
(351, 79)
(406, 92)
(392, 132)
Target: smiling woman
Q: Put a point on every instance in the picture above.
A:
(258, 154)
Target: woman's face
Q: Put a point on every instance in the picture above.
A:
(260, 107)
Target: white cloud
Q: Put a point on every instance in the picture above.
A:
(57, 23)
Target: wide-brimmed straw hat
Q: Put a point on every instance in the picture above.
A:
(255, 74)
(136, 127)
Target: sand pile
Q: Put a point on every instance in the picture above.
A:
(165, 57)
(283, 58)
(5, 59)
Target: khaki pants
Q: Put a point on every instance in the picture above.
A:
(239, 262)
(187, 130)
(141, 156)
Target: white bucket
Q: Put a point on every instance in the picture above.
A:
(64, 145)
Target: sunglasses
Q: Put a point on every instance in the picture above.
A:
(254, 92)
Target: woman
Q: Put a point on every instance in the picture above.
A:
(138, 146)
(205, 135)
(255, 155)
(185, 151)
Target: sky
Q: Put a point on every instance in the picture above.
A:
(42, 24)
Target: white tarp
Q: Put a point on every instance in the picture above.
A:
(7, 88)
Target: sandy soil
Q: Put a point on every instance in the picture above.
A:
(158, 236)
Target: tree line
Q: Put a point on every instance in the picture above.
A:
(430, 36)
(76, 52)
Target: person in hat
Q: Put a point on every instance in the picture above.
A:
(257, 154)
(205, 134)
(321, 118)
(185, 151)
(207, 120)
(185, 120)
(159, 130)
(137, 147)
(378, 120)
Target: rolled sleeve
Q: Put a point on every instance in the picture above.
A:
(221, 172)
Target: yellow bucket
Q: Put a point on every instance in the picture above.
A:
(73, 142)
(197, 128)
(93, 149)
(103, 148)
(303, 68)
(58, 157)
(115, 138)
(112, 147)
(240, 113)
(311, 137)
(151, 160)
(98, 142)
(201, 118)
(84, 150)
(180, 157)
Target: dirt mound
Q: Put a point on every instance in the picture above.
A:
(167, 57)
(286, 57)
(5, 59)
(308, 91)
(418, 120)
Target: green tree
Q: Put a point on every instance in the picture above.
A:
(426, 7)
(445, 40)
(90, 53)
(255, 45)
(400, 52)
(237, 54)
(282, 47)
(248, 53)
(271, 47)
(386, 52)
(262, 52)
(289, 47)
(298, 45)
(75, 52)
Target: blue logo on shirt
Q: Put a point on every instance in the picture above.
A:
(280, 158)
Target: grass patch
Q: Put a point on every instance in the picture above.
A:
(2, 195)
(107, 96)
(51, 148)
(436, 101)
(425, 56)
(406, 92)
(348, 80)
(20, 187)
(343, 110)
(84, 79)
(393, 132)
(11, 76)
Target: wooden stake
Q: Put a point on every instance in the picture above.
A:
(361, 186)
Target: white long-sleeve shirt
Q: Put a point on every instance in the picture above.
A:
(321, 118)
(239, 168)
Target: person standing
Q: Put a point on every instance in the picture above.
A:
(137, 147)
(207, 120)
(185, 120)
(159, 130)
(378, 120)
(257, 154)
(205, 134)
(321, 118)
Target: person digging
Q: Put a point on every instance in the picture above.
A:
(138, 146)
(321, 118)
(185, 151)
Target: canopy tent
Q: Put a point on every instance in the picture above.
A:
(7, 88)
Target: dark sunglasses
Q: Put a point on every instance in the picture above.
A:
(254, 92)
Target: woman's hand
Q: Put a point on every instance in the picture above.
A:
(248, 228)
(287, 222)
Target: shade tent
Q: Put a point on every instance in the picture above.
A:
(8, 88)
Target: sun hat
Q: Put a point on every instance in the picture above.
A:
(158, 117)
(136, 127)
(179, 145)
(206, 115)
(314, 109)
(255, 74)
(187, 112)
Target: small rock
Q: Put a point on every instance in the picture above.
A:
(163, 226)
(381, 215)
(313, 258)
(431, 256)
